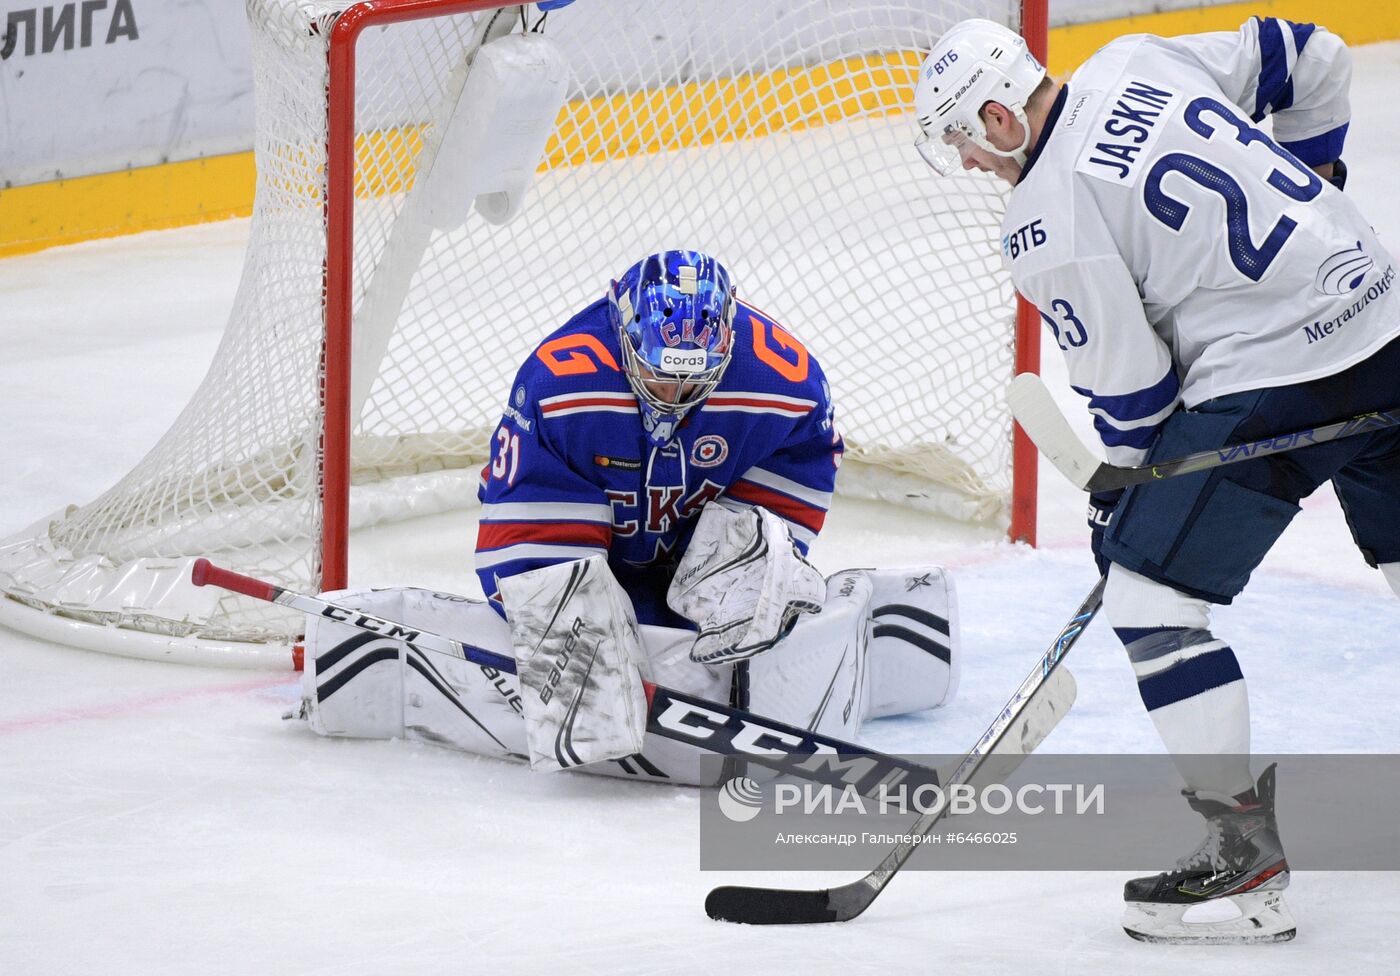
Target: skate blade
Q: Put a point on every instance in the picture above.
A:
(1263, 918)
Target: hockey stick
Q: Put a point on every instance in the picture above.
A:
(1036, 411)
(1035, 709)
(707, 725)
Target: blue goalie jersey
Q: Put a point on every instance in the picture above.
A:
(572, 473)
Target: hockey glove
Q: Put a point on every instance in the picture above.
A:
(1339, 175)
(1101, 506)
(743, 583)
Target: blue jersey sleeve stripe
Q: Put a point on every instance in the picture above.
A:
(1316, 150)
(1301, 33)
(1127, 407)
(1273, 66)
(1275, 89)
(1139, 438)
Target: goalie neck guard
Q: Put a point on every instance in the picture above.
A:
(674, 312)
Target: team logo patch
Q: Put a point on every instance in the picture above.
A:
(623, 464)
(1343, 271)
(520, 396)
(709, 451)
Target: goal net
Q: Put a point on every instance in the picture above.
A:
(774, 136)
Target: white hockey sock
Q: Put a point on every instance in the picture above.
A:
(1189, 680)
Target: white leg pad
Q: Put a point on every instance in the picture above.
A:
(361, 685)
(815, 676)
(820, 676)
(915, 647)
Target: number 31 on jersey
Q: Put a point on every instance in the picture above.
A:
(506, 462)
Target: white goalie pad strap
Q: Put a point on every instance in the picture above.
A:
(575, 637)
(915, 653)
(742, 582)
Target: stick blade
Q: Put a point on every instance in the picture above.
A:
(1039, 415)
(771, 906)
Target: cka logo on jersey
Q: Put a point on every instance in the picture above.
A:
(709, 451)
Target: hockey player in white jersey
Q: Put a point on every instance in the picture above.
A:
(654, 482)
(1208, 284)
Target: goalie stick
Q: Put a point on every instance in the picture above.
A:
(1036, 411)
(708, 725)
(1036, 707)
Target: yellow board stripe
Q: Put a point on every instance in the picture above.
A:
(1355, 21)
(699, 113)
(604, 128)
(151, 198)
(728, 109)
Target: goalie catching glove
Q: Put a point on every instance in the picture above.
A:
(743, 583)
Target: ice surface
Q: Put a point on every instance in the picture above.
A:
(161, 819)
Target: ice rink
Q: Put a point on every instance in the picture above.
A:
(161, 819)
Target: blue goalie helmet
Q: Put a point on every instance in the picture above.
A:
(674, 312)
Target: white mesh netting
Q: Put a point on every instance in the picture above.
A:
(775, 136)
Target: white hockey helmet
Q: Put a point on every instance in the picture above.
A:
(975, 62)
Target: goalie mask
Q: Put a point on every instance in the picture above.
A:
(674, 312)
(976, 62)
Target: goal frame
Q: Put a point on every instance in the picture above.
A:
(339, 274)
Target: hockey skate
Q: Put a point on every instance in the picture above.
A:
(1240, 866)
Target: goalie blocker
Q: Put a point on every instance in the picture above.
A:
(866, 643)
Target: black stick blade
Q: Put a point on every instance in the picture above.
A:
(770, 906)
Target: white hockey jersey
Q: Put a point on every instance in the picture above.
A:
(1175, 250)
